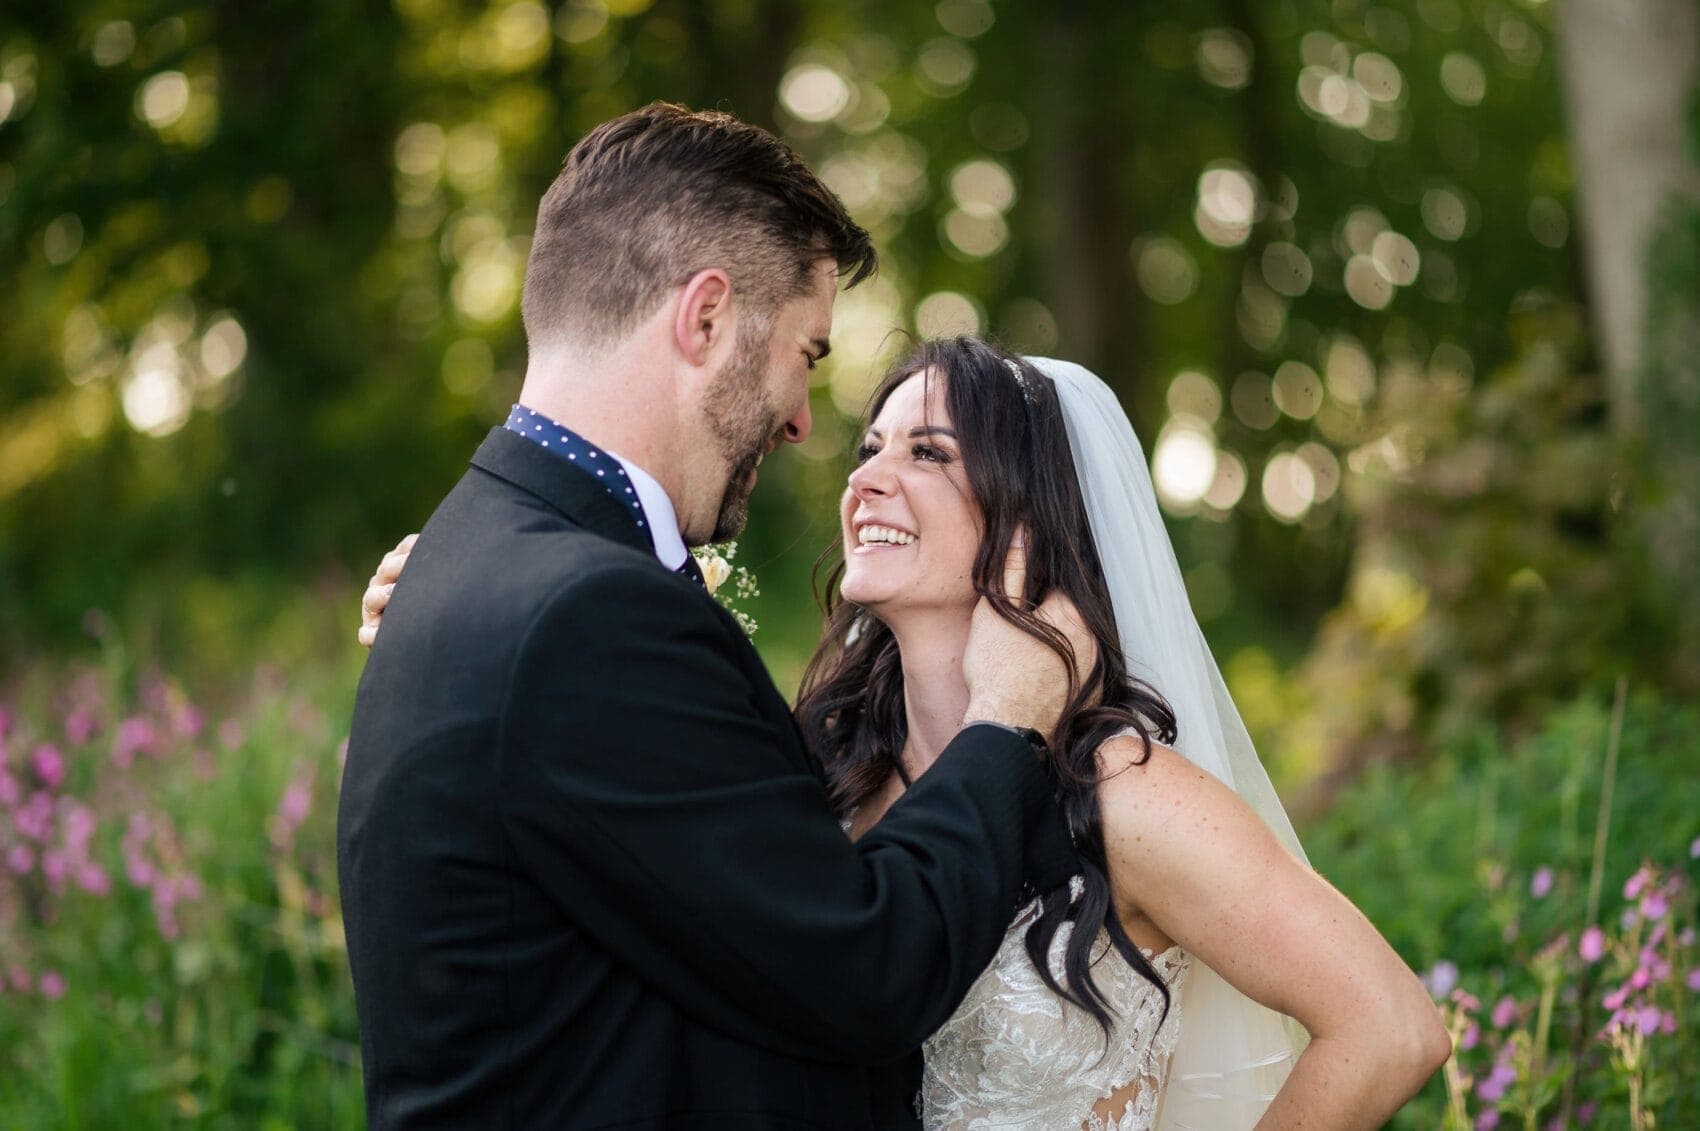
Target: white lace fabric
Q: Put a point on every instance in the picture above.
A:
(1017, 1055)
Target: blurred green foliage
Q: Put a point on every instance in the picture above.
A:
(263, 261)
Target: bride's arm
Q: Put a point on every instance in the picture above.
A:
(1191, 856)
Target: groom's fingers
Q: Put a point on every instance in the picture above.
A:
(1015, 569)
(1061, 614)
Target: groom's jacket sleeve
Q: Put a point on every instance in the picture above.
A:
(646, 792)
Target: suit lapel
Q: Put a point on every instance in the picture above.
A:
(573, 492)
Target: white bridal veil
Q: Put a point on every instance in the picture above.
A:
(1232, 1054)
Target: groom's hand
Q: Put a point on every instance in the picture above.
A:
(1013, 677)
(378, 590)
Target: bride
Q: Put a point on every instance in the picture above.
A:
(1198, 975)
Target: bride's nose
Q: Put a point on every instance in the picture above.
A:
(871, 479)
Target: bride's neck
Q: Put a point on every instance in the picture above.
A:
(935, 695)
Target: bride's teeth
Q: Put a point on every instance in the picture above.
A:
(883, 534)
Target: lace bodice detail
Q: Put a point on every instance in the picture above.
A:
(1016, 1055)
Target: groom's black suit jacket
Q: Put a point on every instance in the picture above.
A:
(590, 877)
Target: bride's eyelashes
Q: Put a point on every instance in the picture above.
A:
(927, 452)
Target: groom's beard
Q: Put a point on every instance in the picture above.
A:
(745, 424)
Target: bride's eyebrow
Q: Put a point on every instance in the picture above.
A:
(915, 433)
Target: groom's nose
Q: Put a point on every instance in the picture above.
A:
(798, 427)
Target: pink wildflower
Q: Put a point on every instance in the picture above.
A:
(1633, 887)
(1504, 1012)
(52, 985)
(187, 720)
(135, 734)
(34, 818)
(1471, 1037)
(297, 800)
(49, 765)
(1541, 883)
(1487, 1120)
(20, 859)
(9, 792)
(55, 867)
(80, 725)
(1693, 979)
(1654, 905)
(93, 879)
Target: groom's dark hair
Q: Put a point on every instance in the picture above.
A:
(646, 200)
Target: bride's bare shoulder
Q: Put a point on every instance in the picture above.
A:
(1149, 794)
(1129, 764)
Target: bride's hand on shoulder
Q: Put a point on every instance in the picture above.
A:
(1190, 855)
(378, 590)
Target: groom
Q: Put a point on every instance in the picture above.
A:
(590, 874)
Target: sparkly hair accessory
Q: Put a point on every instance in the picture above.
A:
(1021, 379)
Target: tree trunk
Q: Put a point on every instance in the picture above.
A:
(1629, 66)
(1082, 138)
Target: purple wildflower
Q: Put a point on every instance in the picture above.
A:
(1441, 978)
(1541, 882)
(1492, 1089)
(1504, 1012)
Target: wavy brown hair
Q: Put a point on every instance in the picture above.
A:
(1020, 471)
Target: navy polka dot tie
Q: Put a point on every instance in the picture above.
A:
(539, 429)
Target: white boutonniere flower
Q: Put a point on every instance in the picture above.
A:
(716, 564)
(715, 570)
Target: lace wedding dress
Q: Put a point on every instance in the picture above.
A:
(1016, 1055)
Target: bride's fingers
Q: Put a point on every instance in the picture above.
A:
(374, 601)
(390, 568)
(367, 634)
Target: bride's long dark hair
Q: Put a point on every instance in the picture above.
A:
(1020, 471)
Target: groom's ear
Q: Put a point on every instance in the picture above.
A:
(702, 323)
